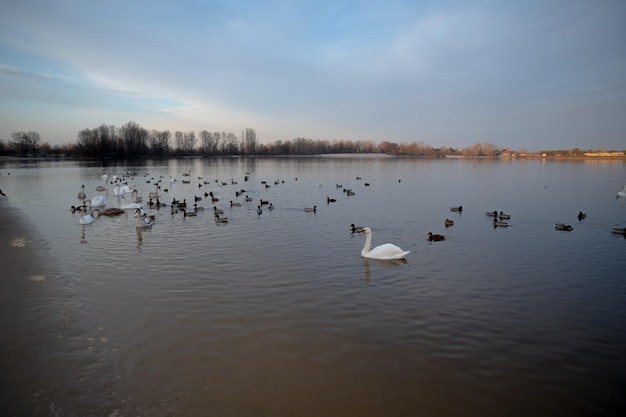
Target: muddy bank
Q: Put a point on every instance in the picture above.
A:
(32, 312)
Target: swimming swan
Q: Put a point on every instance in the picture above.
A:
(385, 251)
(142, 220)
(97, 201)
(85, 218)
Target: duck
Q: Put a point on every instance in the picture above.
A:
(356, 229)
(581, 215)
(497, 223)
(270, 207)
(563, 226)
(234, 204)
(504, 216)
(248, 198)
(217, 211)
(459, 208)
(311, 209)
(619, 230)
(492, 213)
(258, 210)
(197, 208)
(435, 238)
(330, 200)
(448, 223)
(190, 214)
(219, 219)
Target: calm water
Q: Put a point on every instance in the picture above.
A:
(278, 314)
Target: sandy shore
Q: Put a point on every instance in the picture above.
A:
(16, 254)
(26, 321)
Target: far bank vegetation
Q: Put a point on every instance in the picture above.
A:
(133, 141)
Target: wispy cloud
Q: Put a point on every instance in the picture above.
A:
(443, 72)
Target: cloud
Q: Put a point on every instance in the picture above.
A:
(442, 71)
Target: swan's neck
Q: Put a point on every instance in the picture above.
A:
(368, 243)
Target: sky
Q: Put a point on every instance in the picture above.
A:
(531, 74)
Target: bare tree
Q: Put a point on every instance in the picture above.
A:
(249, 142)
(189, 142)
(159, 142)
(179, 141)
(25, 142)
(134, 139)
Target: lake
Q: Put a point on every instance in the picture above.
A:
(277, 313)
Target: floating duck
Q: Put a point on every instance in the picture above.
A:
(562, 226)
(497, 223)
(356, 229)
(435, 238)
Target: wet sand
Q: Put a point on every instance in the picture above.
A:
(29, 316)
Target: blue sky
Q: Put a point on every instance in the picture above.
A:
(521, 74)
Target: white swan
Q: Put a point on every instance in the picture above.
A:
(142, 220)
(121, 190)
(85, 218)
(97, 201)
(385, 251)
(622, 193)
(131, 206)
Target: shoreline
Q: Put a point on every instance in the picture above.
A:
(516, 157)
(30, 314)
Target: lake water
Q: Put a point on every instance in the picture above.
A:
(277, 314)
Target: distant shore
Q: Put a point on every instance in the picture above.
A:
(506, 157)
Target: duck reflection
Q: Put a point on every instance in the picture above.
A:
(392, 263)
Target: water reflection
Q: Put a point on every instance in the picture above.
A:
(83, 234)
(388, 264)
(139, 237)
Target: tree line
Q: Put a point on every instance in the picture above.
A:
(133, 141)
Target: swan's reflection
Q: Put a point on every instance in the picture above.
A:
(139, 237)
(83, 236)
(392, 263)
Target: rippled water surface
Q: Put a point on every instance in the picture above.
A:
(278, 314)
